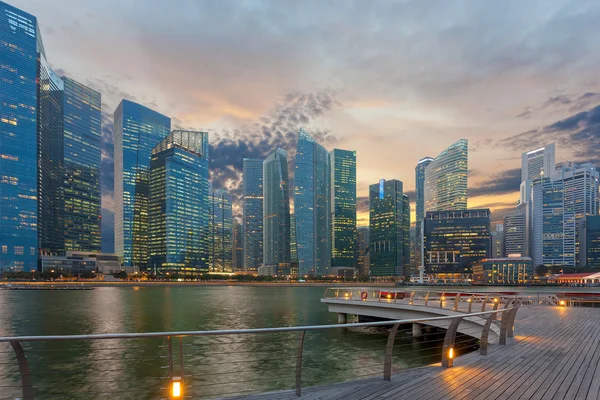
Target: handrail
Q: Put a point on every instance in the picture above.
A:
(236, 331)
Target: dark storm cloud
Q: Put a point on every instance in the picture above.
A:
(500, 183)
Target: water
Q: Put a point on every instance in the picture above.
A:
(138, 368)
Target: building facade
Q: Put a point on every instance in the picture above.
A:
(276, 209)
(420, 206)
(363, 243)
(179, 207)
(538, 162)
(514, 233)
(455, 240)
(20, 43)
(312, 206)
(137, 131)
(446, 179)
(252, 219)
(590, 241)
(498, 241)
(503, 271)
(221, 232)
(238, 247)
(343, 208)
(389, 225)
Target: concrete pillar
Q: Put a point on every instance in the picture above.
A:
(417, 330)
(341, 318)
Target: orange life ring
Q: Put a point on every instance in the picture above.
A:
(364, 295)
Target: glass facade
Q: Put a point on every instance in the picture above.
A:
(312, 206)
(221, 232)
(503, 271)
(137, 130)
(592, 240)
(276, 209)
(81, 188)
(19, 47)
(513, 233)
(252, 218)
(238, 246)
(389, 229)
(455, 240)
(420, 206)
(446, 179)
(363, 250)
(180, 209)
(343, 207)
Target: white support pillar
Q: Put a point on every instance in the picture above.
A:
(417, 330)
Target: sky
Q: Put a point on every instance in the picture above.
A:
(394, 80)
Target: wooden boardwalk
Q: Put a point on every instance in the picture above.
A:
(555, 354)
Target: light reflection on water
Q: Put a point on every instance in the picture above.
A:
(138, 369)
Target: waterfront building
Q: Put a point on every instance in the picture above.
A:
(454, 241)
(588, 232)
(221, 231)
(420, 206)
(503, 271)
(180, 208)
(293, 244)
(446, 179)
(497, 241)
(238, 247)
(513, 234)
(252, 218)
(363, 260)
(276, 209)
(312, 206)
(389, 224)
(137, 131)
(343, 208)
(20, 43)
(81, 263)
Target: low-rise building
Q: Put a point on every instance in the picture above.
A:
(81, 263)
(506, 270)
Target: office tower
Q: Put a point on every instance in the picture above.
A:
(137, 130)
(221, 246)
(538, 162)
(179, 207)
(446, 179)
(343, 208)
(363, 250)
(420, 206)
(276, 209)
(293, 244)
(589, 239)
(455, 240)
(312, 206)
(238, 247)
(389, 224)
(497, 242)
(20, 43)
(559, 202)
(513, 234)
(81, 187)
(252, 218)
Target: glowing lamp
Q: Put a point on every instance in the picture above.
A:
(176, 392)
(495, 300)
(451, 353)
(389, 296)
(443, 298)
(562, 303)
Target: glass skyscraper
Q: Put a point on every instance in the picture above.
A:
(238, 247)
(19, 46)
(221, 232)
(389, 229)
(276, 209)
(252, 219)
(420, 206)
(81, 188)
(179, 209)
(312, 206)
(446, 179)
(591, 239)
(137, 130)
(343, 208)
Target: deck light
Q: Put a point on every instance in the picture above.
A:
(176, 388)
(389, 296)
(443, 298)
(495, 299)
(451, 353)
(562, 303)
(468, 300)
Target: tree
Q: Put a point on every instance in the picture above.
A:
(541, 270)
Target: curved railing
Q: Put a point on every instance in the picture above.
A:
(187, 364)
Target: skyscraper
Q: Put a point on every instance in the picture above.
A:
(538, 162)
(363, 250)
(513, 234)
(343, 208)
(238, 246)
(20, 43)
(498, 242)
(221, 232)
(312, 206)
(179, 207)
(276, 209)
(590, 241)
(446, 179)
(389, 225)
(137, 130)
(252, 218)
(81, 187)
(420, 205)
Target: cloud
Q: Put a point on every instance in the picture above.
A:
(500, 183)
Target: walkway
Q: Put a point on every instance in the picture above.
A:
(555, 354)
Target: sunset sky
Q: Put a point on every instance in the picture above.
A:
(394, 80)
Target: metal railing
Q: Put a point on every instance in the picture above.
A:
(220, 363)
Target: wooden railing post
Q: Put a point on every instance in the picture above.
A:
(389, 350)
(448, 352)
(412, 298)
(485, 332)
(484, 303)
(456, 300)
(511, 323)
(299, 364)
(24, 370)
(471, 300)
(442, 298)
(426, 298)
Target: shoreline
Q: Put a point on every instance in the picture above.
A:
(212, 283)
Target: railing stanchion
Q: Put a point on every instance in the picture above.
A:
(24, 370)
(456, 300)
(412, 298)
(299, 364)
(511, 322)
(484, 302)
(442, 297)
(471, 300)
(426, 298)
(448, 350)
(483, 344)
(506, 324)
(389, 349)
(181, 359)
(170, 347)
